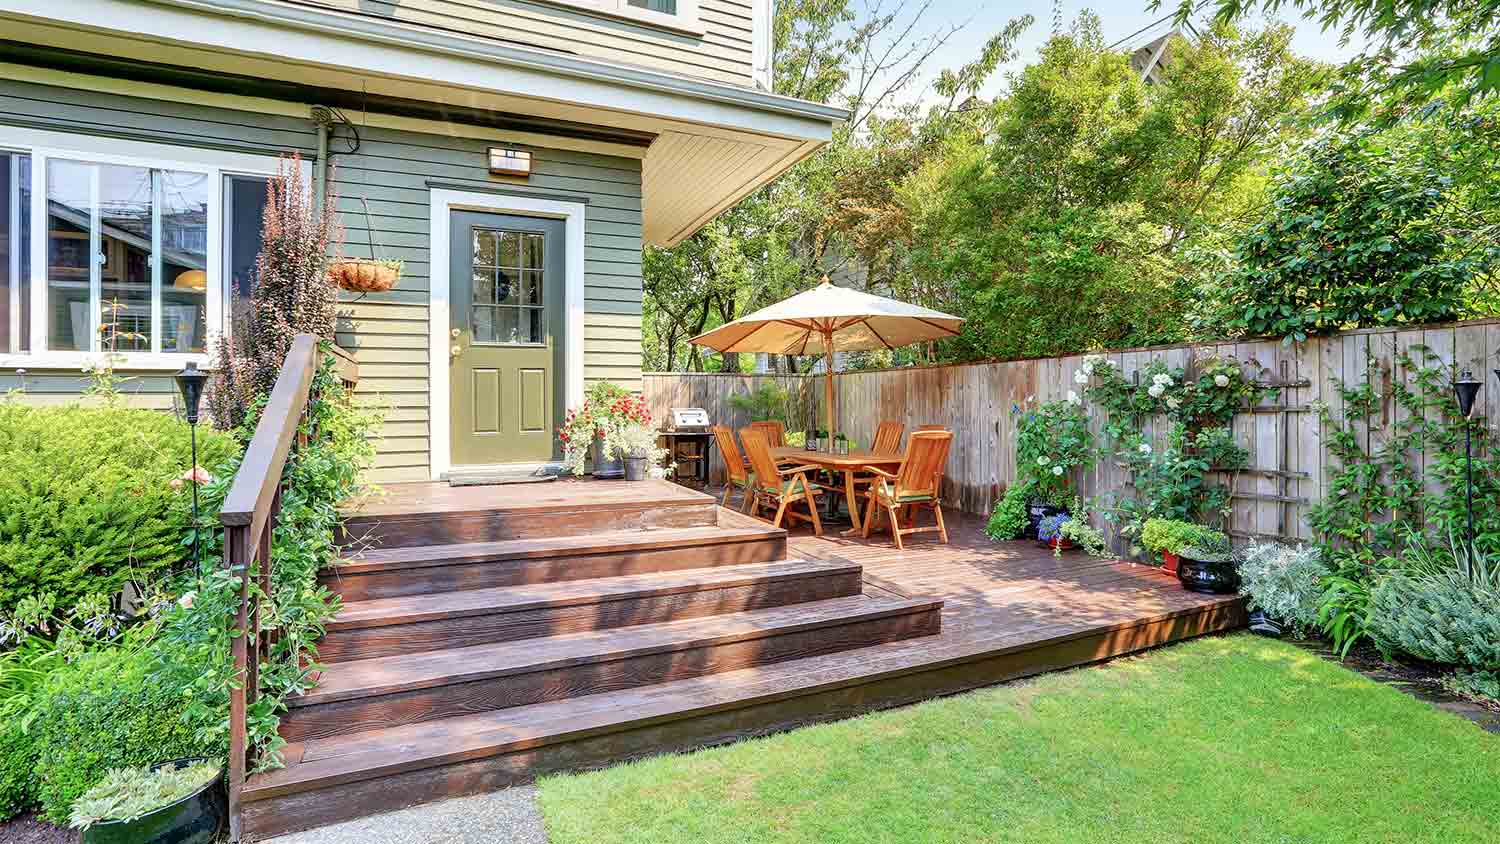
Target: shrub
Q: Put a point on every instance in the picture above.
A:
(1438, 616)
(17, 769)
(1008, 520)
(1284, 582)
(1173, 535)
(86, 501)
(109, 710)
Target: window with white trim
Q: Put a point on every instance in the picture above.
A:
(671, 14)
(122, 247)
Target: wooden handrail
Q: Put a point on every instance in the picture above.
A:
(249, 516)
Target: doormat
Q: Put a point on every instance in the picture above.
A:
(493, 477)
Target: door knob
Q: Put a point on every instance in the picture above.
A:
(456, 350)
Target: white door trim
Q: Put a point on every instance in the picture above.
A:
(442, 203)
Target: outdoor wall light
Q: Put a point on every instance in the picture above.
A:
(510, 162)
(190, 383)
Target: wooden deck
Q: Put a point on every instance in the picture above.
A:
(494, 634)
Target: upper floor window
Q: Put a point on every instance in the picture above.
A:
(666, 7)
(680, 15)
(121, 247)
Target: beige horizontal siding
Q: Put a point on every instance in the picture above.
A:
(721, 53)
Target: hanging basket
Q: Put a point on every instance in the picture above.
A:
(364, 275)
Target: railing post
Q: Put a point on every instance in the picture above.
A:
(237, 547)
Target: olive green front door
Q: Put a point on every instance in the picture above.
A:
(506, 288)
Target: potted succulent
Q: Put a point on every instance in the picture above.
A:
(177, 802)
(1208, 566)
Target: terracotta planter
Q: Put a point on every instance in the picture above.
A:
(362, 275)
(1169, 562)
(1057, 543)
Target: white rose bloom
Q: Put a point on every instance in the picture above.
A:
(1173, 403)
(1145, 448)
(1221, 380)
(1156, 390)
(186, 601)
(1057, 470)
(1080, 378)
(1073, 398)
(1041, 460)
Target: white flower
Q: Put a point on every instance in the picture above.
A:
(1080, 377)
(1145, 448)
(1221, 380)
(1073, 398)
(1057, 470)
(1041, 460)
(1173, 403)
(1156, 390)
(1162, 378)
(186, 601)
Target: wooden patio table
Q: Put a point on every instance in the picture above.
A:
(858, 459)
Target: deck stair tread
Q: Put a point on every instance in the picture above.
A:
(359, 679)
(395, 559)
(502, 599)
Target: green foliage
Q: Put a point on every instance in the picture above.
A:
(128, 793)
(1053, 445)
(1358, 232)
(772, 402)
(1344, 611)
(1172, 536)
(18, 759)
(87, 502)
(1172, 482)
(1077, 528)
(1284, 582)
(1008, 520)
(110, 710)
(1438, 616)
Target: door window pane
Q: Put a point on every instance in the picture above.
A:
(184, 261)
(508, 294)
(70, 225)
(15, 252)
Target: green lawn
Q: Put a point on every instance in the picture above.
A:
(1232, 739)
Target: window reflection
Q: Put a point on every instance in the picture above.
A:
(15, 252)
(184, 261)
(507, 294)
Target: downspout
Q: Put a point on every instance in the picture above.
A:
(324, 120)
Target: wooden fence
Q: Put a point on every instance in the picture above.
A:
(1289, 468)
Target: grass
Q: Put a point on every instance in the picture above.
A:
(1231, 739)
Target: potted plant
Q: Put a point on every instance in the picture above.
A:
(607, 409)
(637, 445)
(366, 275)
(1208, 567)
(1077, 531)
(1167, 537)
(1049, 533)
(1053, 444)
(177, 802)
(840, 444)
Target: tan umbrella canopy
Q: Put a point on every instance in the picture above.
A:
(827, 319)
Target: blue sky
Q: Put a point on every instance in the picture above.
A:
(1120, 19)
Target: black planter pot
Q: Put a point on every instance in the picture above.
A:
(195, 819)
(1036, 511)
(1211, 578)
(1264, 625)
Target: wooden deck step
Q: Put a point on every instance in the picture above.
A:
(446, 620)
(394, 572)
(416, 515)
(389, 691)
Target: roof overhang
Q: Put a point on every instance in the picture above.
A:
(711, 145)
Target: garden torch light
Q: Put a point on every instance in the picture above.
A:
(190, 384)
(1465, 389)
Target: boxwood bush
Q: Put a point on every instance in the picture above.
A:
(112, 709)
(86, 500)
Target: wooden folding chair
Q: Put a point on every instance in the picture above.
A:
(887, 441)
(775, 432)
(734, 463)
(779, 485)
(913, 487)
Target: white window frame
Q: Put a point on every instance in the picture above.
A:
(684, 20)
(44, 145)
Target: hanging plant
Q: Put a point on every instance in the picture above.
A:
(366, 275)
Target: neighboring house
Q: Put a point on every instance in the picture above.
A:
(143, 131)
(1151, 48)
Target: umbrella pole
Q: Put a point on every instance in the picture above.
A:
(828, 381)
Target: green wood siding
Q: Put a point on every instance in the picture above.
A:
(393, 171)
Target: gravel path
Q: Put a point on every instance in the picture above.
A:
(501, 817)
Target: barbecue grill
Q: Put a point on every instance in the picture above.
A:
(687, 441)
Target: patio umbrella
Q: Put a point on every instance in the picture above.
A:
(830, 319)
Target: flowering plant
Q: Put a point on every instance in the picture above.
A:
(634, 439)
(607, 409)
(1053, 441)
